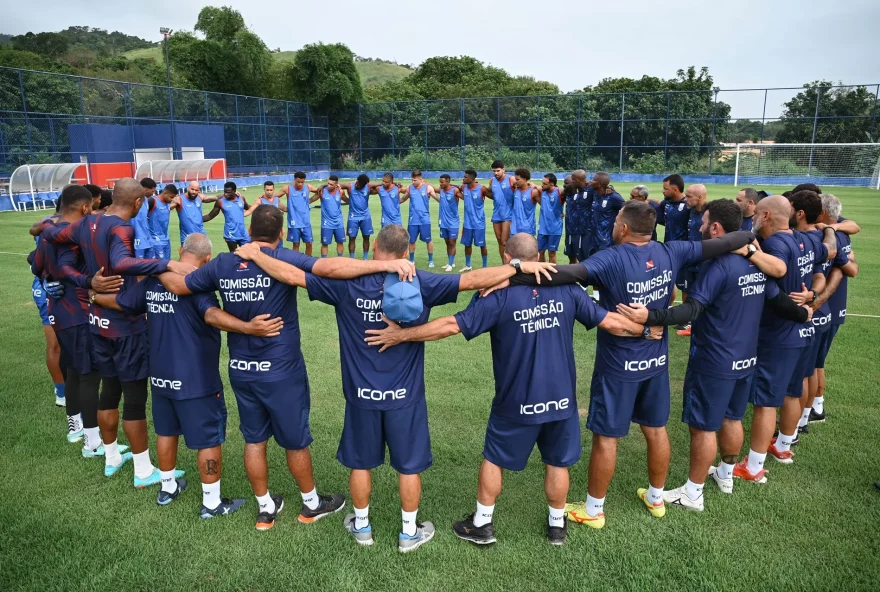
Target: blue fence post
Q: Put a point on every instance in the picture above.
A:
(309, 133)
(537, 132)
(874, 113)
(287, 126)
(622, 107)
(27, 121)
(815, 130)
(82, 101)
(461, 142)
(129, 114)
(666, 136)
(207, 109)
(498, 125)
(393, 137)
(714, 114)
(238, 132)
(173, 125)
(360, 136)
(764, 117)
(577, 158)
(425, 105)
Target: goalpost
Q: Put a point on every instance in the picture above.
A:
(848, 165)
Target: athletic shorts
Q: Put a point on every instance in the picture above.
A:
(76, 348)
(201, 420)
(162, 250)
(328, 234)
(615, 404)
(126, 358)
(549, 242)
(497, 218)
(813, 351)
(278, 409)
(509, 444)
(827, 340)
(578, 246)
(709, 400)
(420, 230)
(473, 236)
(449, 233)
(234, 243)
(300, 235)
(365, 227)
(366, 432)
(40, 299)
(777, 376)
(686, 277)
(144, 253)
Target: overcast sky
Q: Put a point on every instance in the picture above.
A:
(573, 43)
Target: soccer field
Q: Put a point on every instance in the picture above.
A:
(814, 526)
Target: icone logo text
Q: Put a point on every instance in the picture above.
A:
(539, 408)
(744, 364)
(377, 395)
(250, 366)
(639, 365)
(165, 383)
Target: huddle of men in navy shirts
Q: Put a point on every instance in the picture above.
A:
(763, 280)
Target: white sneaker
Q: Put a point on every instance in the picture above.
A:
(725, 485)
(430, 264)
(447, 267)
(60, 401)
(466, 268)
(679, 497)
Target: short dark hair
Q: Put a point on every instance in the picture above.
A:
(170, 189)
(267, 183)
(675, 180)
(333, 178)
(446, 176)
(639, 216)
(393, 239)
(807, 187)
(497, 164)
(471, 172)
(809, 202)
(93, 189)
(726, 213)
(551, 177)
(106, 199)
(299, 175)
(74, 195)
(416, 173)
(751, 195)
(388, 176)
(266, 223)
(787, 194)
(762, 194)
(523, 173)
(229, 185)
(148, 183)
(363, 179)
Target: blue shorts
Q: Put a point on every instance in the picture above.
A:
(328, 234)
(473, 236)
(40, 299)
(365, 227)
(509, 444)
(76, 348)
(420, 230)
(366, 432)
(777, 376)
(162, 250)
(279, 409)
(709, 400)
(497, 218)
(578, 245)
(686, 277)
(827, 340)
(126, 358)
(236, 241)
(549, 242)
(615, 404)
(300, 235)
(811, 353)
(201, 420)
(144, 253)
(449, 233)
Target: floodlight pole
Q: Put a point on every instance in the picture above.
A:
(167, 33)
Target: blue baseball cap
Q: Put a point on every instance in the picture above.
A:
(402, 300)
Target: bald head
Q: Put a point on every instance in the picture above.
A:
(126, 191)
(521, 246)
(601, 179)
(695, 195)
(579, 179)
(771, 215)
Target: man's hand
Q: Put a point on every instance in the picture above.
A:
(809, 310)
(538, 269)
(106, 285)
(387, 337)
(180, 268)
(263, 326)
(656, 333)
(802, 297)
(403, 268)
(248, 251)
(501, 286)
(637, 313)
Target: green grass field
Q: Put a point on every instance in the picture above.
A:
(814, 526)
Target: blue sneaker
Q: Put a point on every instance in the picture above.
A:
(110, 470)
(363, 536)
(164, 498)
(155, 478)
(227, 506)
(99, 451)
(424, 533)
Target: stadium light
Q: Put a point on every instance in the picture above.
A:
(167, 33)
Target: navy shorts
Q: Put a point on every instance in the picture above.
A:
(76, 348)
(328, 234)
(709, 400)
(420, 230)
(201, 420)
(827, 340)
(126, 358)
(549, 242)
(365, 227)
(450, 233)
(300, 235)
(777, 376)
(509, 444)
(473, 236)
(686, 277)
(366, 432)
(615, 404)
(40, 299)
(162, 250)
(279, 409)
(578, 246)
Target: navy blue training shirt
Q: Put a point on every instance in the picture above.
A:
(676, 218)
(837, 302)
(822, 318)
(605, 209)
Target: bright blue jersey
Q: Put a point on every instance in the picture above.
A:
(449, 209)
(233, 211)
(419, 212)
(837, 302)
(605, 209)
(298, 208)
(331, 208)
(390, 201)
(502, 195)
(358, 202)
(190, 216)
(143, 238)
(676, 217)
(474, 207)
(158, 219)
(265, 201)
(551, 213)
(579, 212)
(523, 212)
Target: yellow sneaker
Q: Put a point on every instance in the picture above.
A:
(657, 510)
(577, 512)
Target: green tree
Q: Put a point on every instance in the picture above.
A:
(845, 115)
(51, 45)
(325, 77)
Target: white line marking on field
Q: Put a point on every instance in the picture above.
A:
(852, 314)
(8, 253)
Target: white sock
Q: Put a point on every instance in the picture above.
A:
(483, 515)
(91, 438)
(112, 458)
(557, 516)
(211, 495)
(409, 522)
(805, 417)
(75, 422)
(143, 468)
(693, 490)
(595, 506)
(266, 503)
(169, 483)
(655, 494)
(362, 517)
(756, 461)
(819, 404)
(783, 442)
(725, 471)
(310, 499)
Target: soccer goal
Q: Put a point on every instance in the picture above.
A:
(847, 165)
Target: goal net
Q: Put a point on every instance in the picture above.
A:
(852, 165)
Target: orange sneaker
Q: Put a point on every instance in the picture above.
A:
(686, 332)
(741, 471)
(576, 512)
(785, 458)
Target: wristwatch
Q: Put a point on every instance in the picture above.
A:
(752, 250)
(92, 296)
(646, 333)
(516, 265)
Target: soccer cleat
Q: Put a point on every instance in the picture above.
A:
(657, 510)
(266, 520)
(577, 512)
(327, 504)
(430, 264)
(679, 497)
(725, 485)
(227, 506)
(741, 471)
(99, 451)
(466, 268)
(447, 268)
(479, 535)
(164, 498)
(110, 470)
(155, 478)
(556, 534)
(74, 437)
(60, 401)
(75, 431)
(424, 533)
(785, 458)
(684, 330)
(363, 536)
(816, 417)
